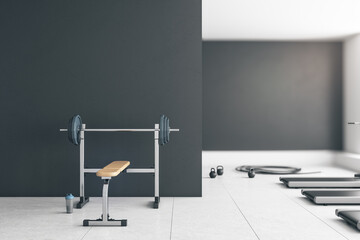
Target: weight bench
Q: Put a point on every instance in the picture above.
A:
(111, 170)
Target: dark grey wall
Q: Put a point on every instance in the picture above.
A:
(119, 64)
(272, 95)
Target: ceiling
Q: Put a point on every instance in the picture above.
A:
(280, 20)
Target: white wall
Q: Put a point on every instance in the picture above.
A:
(351, 93)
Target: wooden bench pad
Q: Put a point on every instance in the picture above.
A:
(113, 169)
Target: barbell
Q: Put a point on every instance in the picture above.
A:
(75, 127)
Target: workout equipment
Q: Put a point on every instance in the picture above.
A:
(333, 197)
(251, 173)
(212, 173)
(76, 134)
(253, 169)
(322, 182)
(220, 170)
(75, 127)
(350, 216)
(269, 169)
(164, 130)
(111, 170)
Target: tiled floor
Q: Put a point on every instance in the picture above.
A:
(232, 207)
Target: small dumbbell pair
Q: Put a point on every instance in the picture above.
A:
(219, 171)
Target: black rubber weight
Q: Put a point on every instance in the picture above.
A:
(74, 128)
(162, 130)
(167, 133)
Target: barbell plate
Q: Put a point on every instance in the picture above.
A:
(74, 128)
(69, 131)
(160, 127)
(162, 130)
(165, 134)
(167, 130)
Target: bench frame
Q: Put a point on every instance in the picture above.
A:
(155, 170)
(105, 221)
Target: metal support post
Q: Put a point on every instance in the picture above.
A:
(83, 199)
(156, 167)
(105, 199)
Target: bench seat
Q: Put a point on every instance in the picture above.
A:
(113, 169)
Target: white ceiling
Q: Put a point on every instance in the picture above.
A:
(280, 19)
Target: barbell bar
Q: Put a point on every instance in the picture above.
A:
(75, 127)
(123, 130)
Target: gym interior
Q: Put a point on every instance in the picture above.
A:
(191, 119)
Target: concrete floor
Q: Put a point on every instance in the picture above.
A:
(232, 207)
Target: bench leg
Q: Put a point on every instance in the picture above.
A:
(105, 199)
(82, 202)
(105, 220)
(156, 202)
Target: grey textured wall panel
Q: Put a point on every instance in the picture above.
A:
(272, 95)
(119, 64)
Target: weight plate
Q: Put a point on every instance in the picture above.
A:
(167, 125)
(74, 128)
(162, 130)
(165, 138)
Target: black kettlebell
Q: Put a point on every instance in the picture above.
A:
(212, 173)
(251, 173)
(220, 170)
